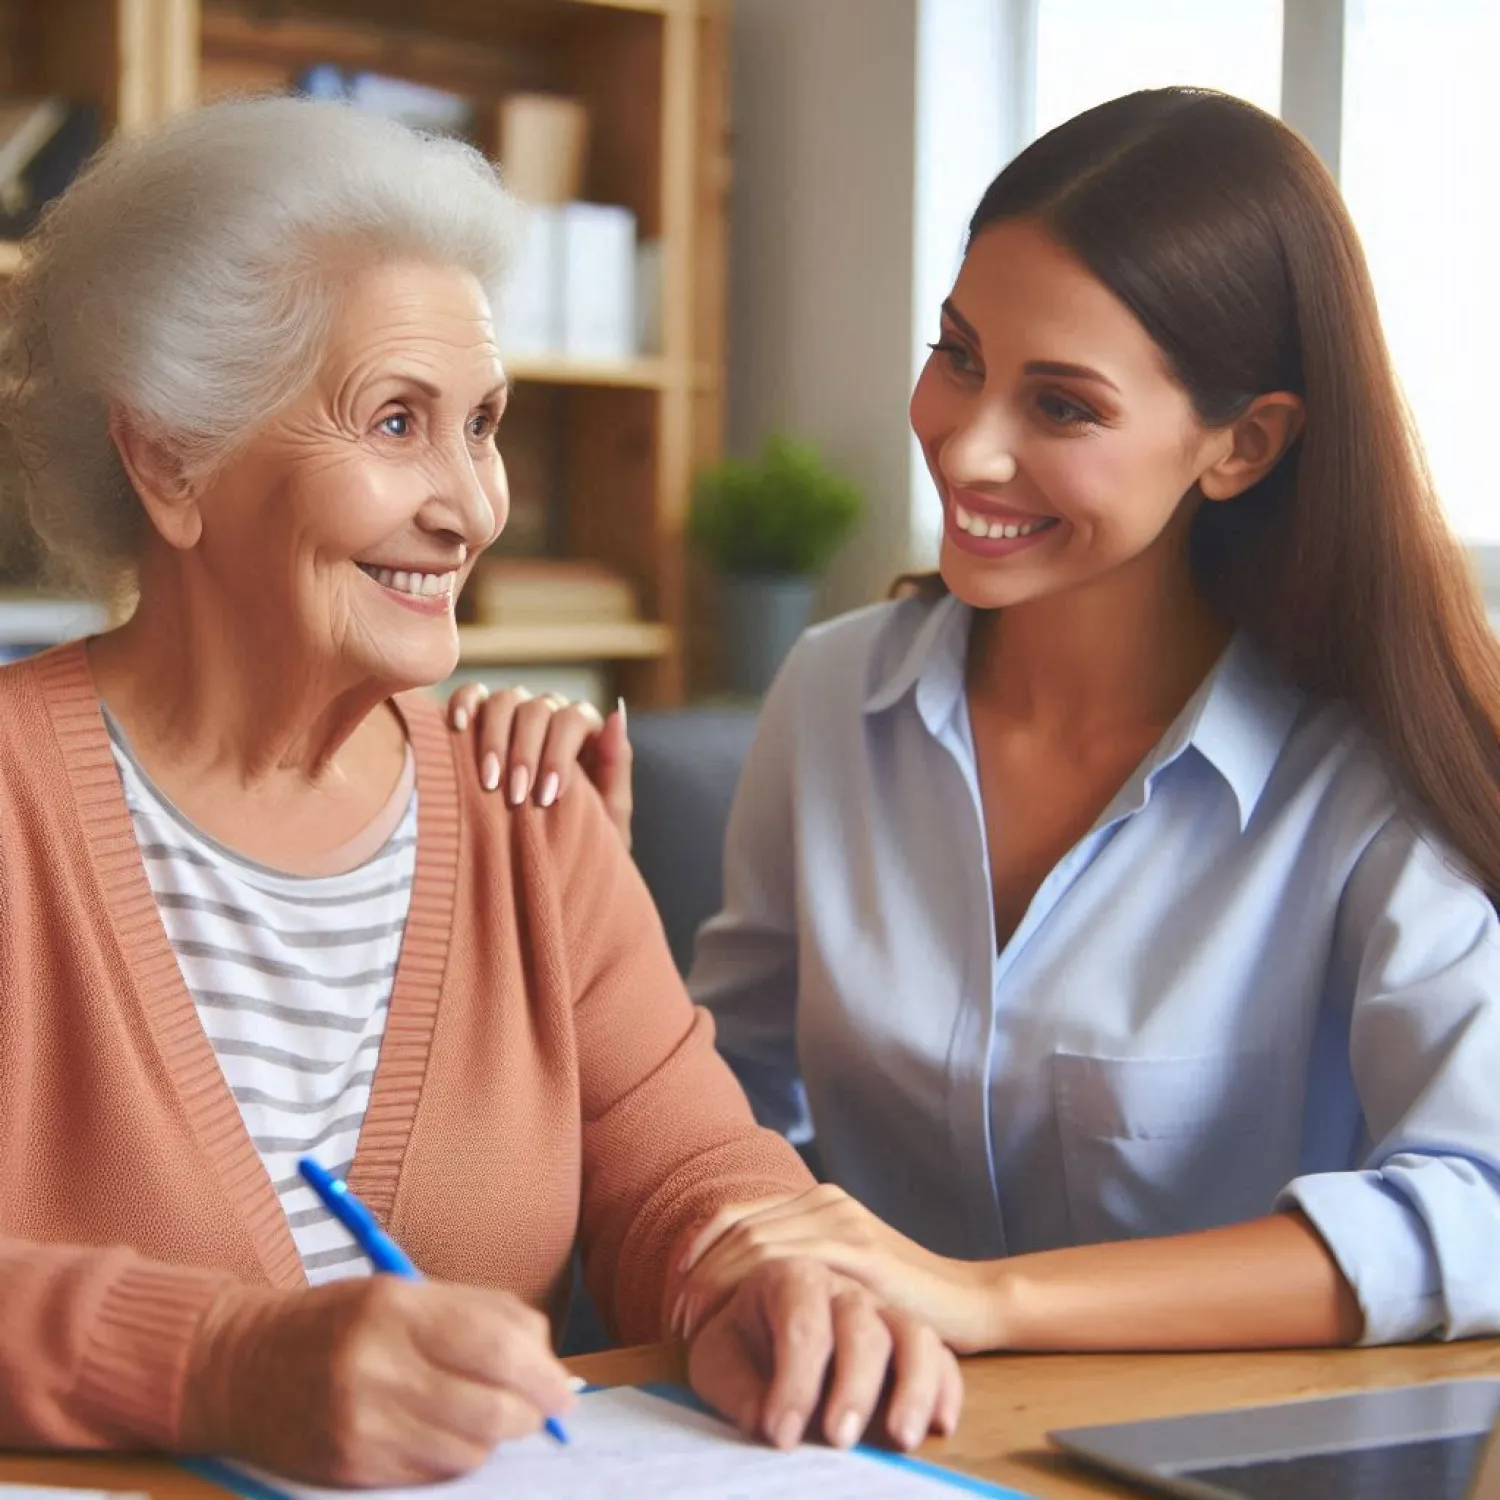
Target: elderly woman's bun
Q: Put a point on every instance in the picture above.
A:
(189, 277)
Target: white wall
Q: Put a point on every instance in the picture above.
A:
(865, 132)
(821, 252)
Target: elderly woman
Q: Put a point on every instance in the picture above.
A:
(254, 904)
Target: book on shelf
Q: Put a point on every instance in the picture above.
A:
(551, 591)
(414, 104)
(574, 289)
(44, 142)
(26, 125)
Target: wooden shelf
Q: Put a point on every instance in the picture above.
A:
(549, 369)
(470, 47)
(650, 7)
(10, 258)
(507, 645)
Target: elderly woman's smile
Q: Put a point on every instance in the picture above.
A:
(427, 593)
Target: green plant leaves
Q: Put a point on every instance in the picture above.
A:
(786, 513)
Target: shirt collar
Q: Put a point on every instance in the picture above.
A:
(931, 663)
(1237, 721)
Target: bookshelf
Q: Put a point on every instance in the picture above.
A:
(634, 374)
(610, 446)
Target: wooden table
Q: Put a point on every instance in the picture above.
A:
(1013, 1401)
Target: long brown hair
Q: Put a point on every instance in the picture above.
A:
(1227, 238)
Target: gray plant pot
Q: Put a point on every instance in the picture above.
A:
(761, 618)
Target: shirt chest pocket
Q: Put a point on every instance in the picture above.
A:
(1155, 1146)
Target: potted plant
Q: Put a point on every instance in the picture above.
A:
(770, 529)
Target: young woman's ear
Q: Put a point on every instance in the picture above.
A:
(1257, 440)
(160, 478)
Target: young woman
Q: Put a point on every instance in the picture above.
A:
(1118, 907)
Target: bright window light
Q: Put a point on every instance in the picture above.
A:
(1092, 50)
(1421, 139)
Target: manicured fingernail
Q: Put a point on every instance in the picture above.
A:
(577, 1383)
(906, 1434)
(788, 1431)
(548, 794)
(460, 719)
(846, 1432)
(520, 779)
(489, 772)
(620, 709)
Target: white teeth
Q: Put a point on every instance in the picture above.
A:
(974, 525)
(995, 530)
(422, 585)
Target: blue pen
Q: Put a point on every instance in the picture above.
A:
(380, 1249)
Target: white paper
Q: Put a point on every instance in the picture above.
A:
(626, 1443)
(58, 1492)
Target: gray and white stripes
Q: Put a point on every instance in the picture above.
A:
(292, 979)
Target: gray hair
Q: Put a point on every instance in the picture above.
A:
(190, 276)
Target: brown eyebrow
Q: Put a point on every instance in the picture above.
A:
(953, 315)
(1076, 372)
(1035, 366)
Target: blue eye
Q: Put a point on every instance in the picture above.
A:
(398, 424)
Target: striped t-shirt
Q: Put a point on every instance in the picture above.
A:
(292, 979)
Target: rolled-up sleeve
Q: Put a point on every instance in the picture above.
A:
(1416, 1230)
(745, 962)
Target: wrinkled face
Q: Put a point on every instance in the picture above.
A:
(346, 526)
(1061, 446)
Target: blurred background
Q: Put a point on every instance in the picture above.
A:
(742, 216)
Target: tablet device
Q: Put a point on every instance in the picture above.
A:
(1423, 1442)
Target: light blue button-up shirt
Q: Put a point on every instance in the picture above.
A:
(1256, 982)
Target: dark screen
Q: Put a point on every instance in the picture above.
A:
(1436, 1469)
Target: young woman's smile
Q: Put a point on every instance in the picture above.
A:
(977, 524)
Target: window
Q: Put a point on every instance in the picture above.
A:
(1418, 159)
(1088, 51)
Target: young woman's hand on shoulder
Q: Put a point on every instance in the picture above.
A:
(528, 747)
